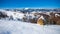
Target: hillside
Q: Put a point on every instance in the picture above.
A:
(18, 27)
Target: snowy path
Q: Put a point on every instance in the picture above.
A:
(18, 27)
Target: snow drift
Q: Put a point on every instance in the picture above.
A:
(18, 27)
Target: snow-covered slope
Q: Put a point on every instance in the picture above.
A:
(12, 14)
(18, 27)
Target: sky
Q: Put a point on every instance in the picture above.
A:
(30, 3)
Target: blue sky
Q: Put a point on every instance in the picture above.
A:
(30, 3)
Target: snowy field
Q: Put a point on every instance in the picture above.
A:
(18, 27)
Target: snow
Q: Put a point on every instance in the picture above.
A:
(26, 8)
(42, 18)
(57, 15)
(18, 27)
(14, 15)
(48, 13)
(33, 12)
